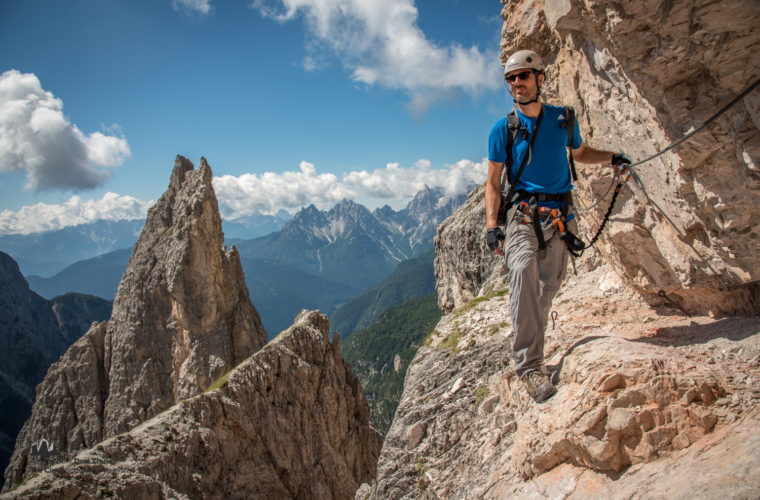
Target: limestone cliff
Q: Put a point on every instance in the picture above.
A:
(288, 422)
(182, 317)
(640, 75)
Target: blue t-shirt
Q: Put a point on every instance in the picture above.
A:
(547, 171)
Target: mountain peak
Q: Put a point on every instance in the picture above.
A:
(348, 208)
(181, 166)
(182, 317)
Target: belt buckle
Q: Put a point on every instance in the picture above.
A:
(544, 213)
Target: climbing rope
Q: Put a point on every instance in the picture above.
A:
(617, 177)
(706, 123)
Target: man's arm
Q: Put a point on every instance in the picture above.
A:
(587, 154)
(493, 193)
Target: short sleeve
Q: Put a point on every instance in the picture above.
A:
(497, 146)
(577, 140)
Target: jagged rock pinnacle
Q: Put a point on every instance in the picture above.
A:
(181, 318)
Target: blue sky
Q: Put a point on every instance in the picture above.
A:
(291, 102)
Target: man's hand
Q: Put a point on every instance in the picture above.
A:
(620, 162)
(620, 159)
(494, 237)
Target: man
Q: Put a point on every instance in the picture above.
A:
(541, 219)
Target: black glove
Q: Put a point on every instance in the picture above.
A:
(494, 236)
(619, 159)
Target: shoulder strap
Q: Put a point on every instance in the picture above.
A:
(513, 126)
(526, 158)
(570, 124)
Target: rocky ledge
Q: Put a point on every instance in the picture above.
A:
(651, 403)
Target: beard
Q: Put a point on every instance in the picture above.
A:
(525, 99)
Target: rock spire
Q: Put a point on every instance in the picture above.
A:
(182, 317)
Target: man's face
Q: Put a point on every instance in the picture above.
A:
(523, 84)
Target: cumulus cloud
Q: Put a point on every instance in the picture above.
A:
(36, 138)
(47, 217)
(403, 183)
(201, 7)
(381, 44)
(270, 192)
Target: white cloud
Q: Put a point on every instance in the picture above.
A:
(270, 192)
(36, 138)
(46, 217)
(381, 44)
(403, 183)
(264, 193)
(201, 7)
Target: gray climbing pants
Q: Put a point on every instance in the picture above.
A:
(534, 279)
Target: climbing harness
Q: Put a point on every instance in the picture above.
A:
(512, 195)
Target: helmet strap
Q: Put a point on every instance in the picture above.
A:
(535, 99)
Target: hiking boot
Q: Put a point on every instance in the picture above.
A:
(538, 385)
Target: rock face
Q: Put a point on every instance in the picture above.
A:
(641, 75)
(289, 422)
(31, 337)
(34, 333)
(464, 266)
(650, 404)
(182, 317)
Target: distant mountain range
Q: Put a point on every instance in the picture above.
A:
(318, 260)
(348, 250)
(352, 245)
(45, 254)
(253, 226)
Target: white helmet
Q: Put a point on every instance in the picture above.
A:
(524, 59)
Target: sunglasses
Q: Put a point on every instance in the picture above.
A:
(523, 75)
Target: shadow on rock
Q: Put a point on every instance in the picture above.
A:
(733, 329)
(556, 370)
